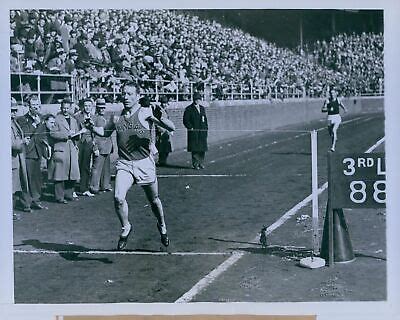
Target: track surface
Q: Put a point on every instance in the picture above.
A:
(65, 254)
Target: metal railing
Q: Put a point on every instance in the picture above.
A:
(52, 87)
(183, 90)
(48, 87)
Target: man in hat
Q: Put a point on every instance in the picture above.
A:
(30, 62)
(65, 28)
(117, 52)
(94, 49)
(40, 64)
(20, 185)
(73, 39)
(57, 64)
(163, 136)
(29, 124)
(195, 121)
(101, 177)
(135, 164)
(105, 55)
(81, 47)
(85, 145)
(70, 63)
(64, 166)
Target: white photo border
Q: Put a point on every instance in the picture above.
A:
(325, 310)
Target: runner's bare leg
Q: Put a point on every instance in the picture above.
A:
(123, 182)
(151, 192)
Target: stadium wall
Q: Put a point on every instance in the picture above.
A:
(230, 119)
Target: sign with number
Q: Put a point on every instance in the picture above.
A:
(357, 180)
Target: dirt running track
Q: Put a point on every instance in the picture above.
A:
(66, 254)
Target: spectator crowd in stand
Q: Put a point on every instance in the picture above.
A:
(104, 45)
(357, 58)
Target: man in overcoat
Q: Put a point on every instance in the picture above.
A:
(64, 167)
(19, 175)
(195, 121)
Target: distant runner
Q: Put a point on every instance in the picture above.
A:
(331, 106)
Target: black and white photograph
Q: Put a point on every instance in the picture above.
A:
(221, 155)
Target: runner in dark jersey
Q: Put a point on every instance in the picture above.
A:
(135, 164)
(332, 106)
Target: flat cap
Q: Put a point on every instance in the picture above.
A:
(100, 103)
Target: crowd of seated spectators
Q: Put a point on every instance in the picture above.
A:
(358, 58)
(182, 51)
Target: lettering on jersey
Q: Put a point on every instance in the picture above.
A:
(129, 126)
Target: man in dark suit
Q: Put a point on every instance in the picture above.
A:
(163, 136)
(101, 177)
(195, 121)
(33, 151)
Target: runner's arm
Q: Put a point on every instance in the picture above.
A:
(162, 122)
(107, 130)
(342, 105)
(325, 106)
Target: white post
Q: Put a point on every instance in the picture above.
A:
(314, 174)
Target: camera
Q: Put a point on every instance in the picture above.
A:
(88, 123)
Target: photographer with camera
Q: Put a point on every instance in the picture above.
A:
(86, 145)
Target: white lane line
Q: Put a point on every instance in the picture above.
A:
(199, 175)
(376, 145)
(224, 266)
(350, 121)
(209, 278)
(229, 156)
(283, 140)
(123, 253)
(292, 211)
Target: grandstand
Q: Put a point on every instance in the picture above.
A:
(89, 52)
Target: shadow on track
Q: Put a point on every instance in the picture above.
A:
(233, 241)
(288, 253)
(362, 255)
(292, 153)
(68, 252)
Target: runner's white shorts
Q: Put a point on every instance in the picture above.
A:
(334, 119)
(143, 171)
